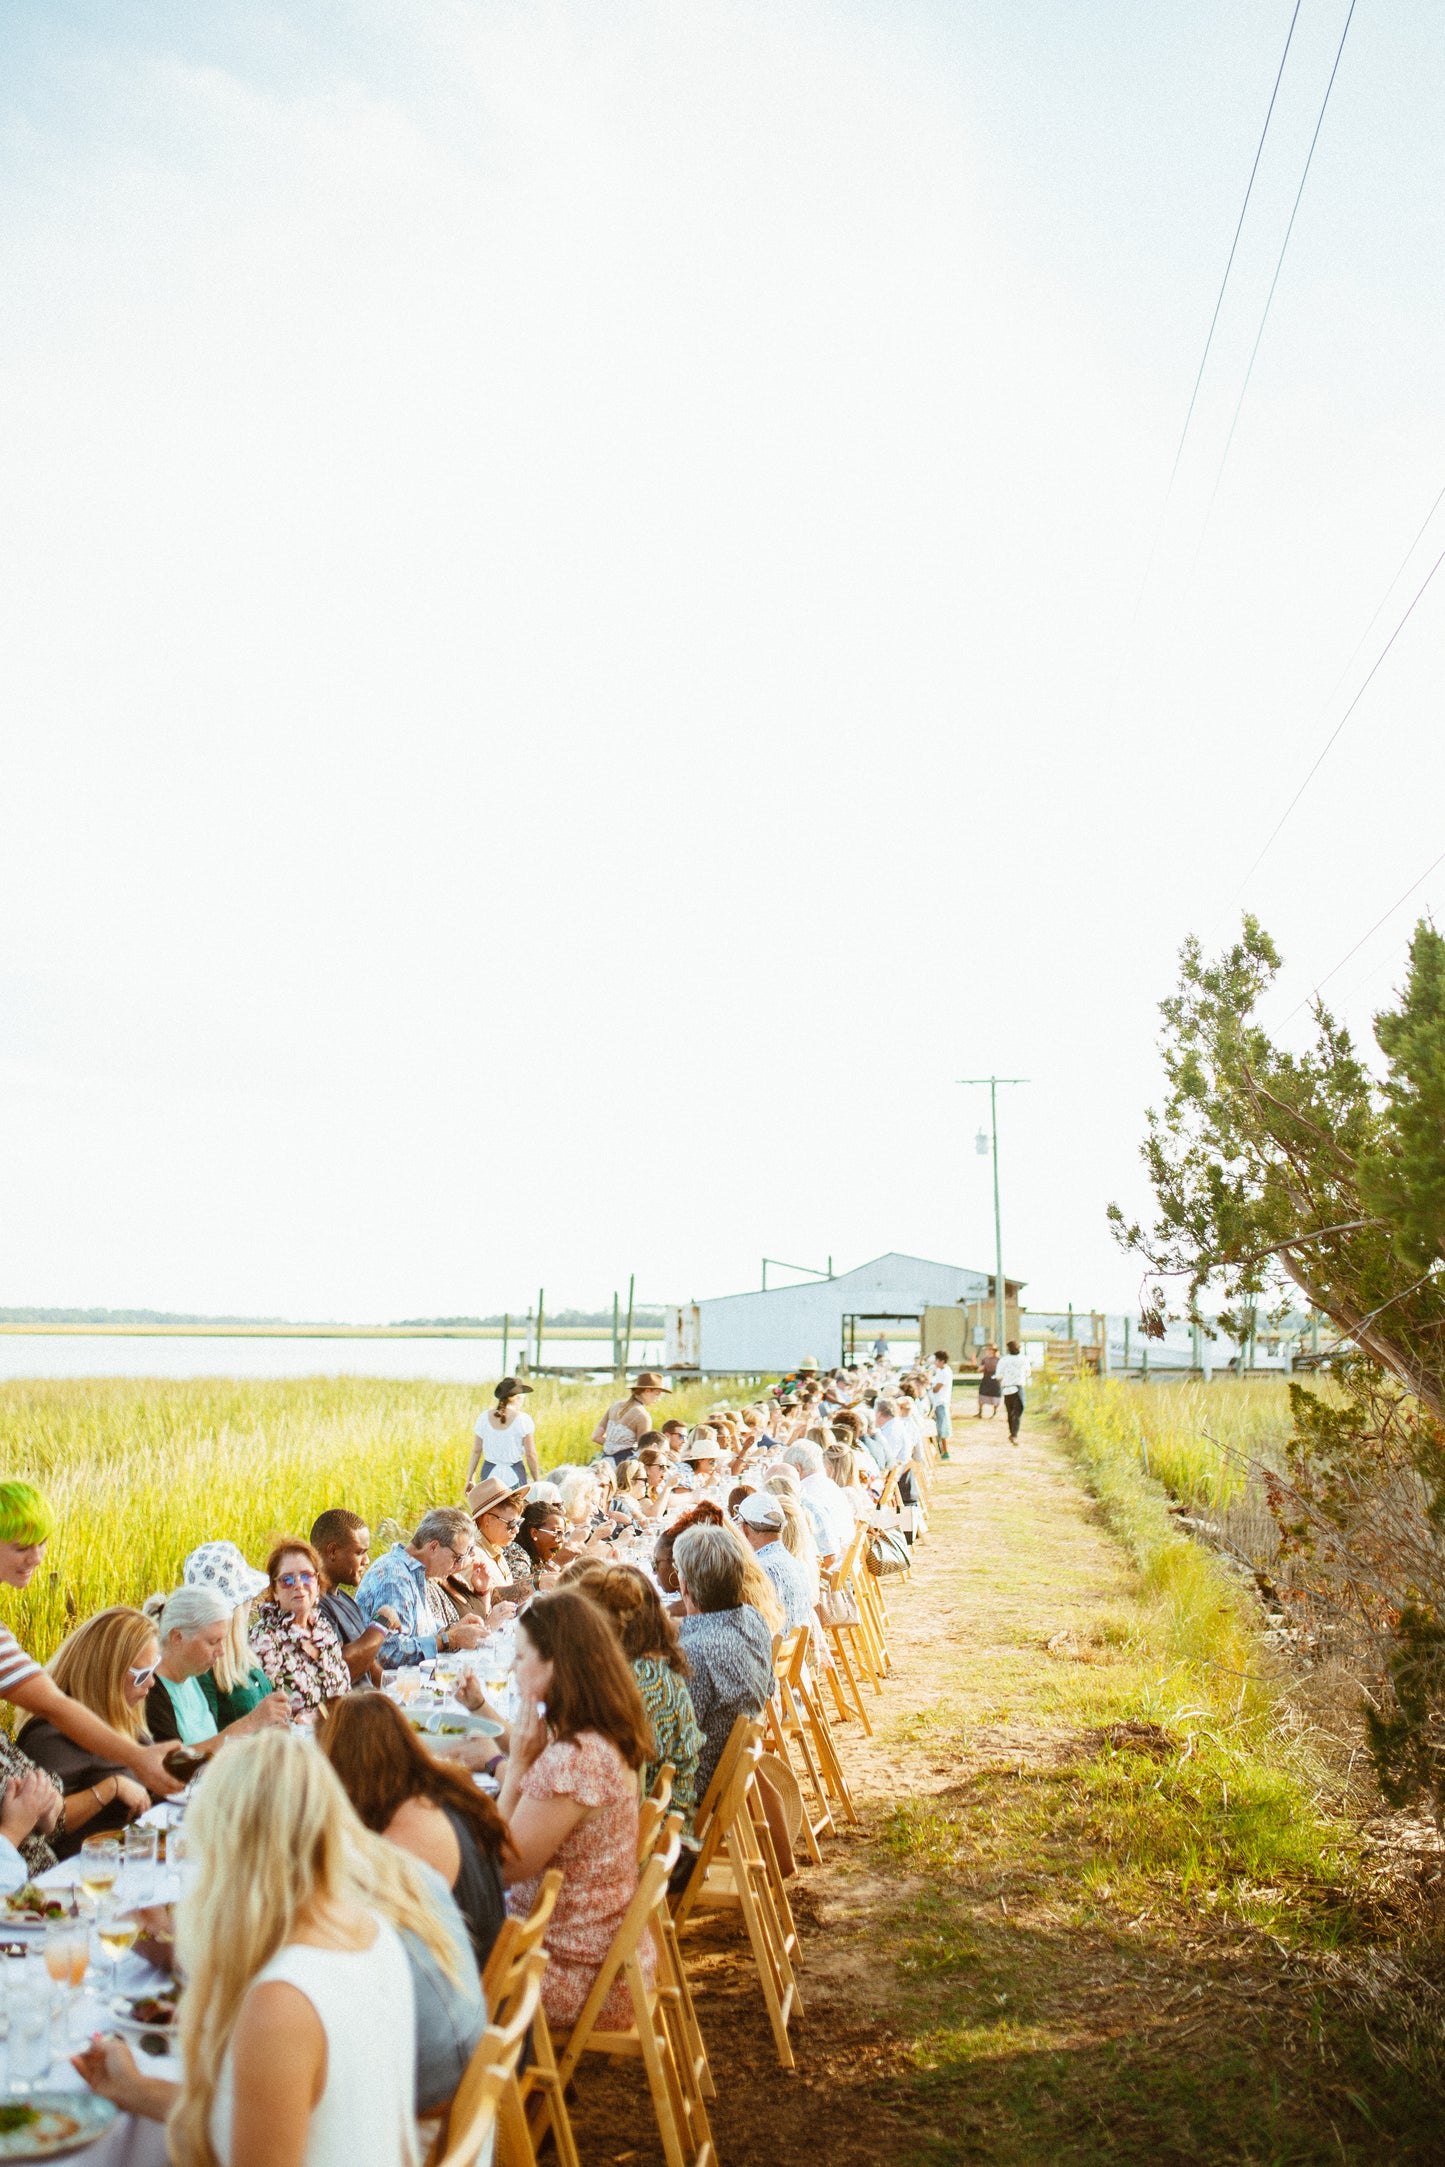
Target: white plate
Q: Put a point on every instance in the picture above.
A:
(455, 1723)
(68, 2121)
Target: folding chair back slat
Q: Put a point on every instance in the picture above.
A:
(474, 2110)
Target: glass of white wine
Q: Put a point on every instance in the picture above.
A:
(117, 1929)
(100, 1858)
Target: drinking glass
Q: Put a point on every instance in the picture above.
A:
(117, 1929)
(67, 1958)
(139, 1851)
(100, 1858)
(28, 2009)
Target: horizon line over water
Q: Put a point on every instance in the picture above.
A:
(149, 1352)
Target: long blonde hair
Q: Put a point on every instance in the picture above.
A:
(278, 1843)
(91, 1663)
(235, 1663)
(759, 1590)
(796, 1536)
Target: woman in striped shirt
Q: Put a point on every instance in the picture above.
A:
(26, 1525)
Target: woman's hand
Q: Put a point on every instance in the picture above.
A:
(109, 2068)
(134, 1796)
(275, 1708)
(26, 1801)
(529, 1739)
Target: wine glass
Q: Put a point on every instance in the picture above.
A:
(100, 1858)
(117, 1928)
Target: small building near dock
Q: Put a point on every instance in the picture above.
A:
(835, 1318)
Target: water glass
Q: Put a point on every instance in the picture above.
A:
(28, 2009)
(139, 1850)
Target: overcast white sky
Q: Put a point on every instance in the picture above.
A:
(569, 654)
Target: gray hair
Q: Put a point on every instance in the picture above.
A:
(188, 1611)
(884, 1410)
(712, 1562)
(449, 1525)
(572, 1483)
(805, 1457)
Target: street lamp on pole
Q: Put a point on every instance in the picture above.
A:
(993, 1083)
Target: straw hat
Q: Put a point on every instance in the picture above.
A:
(786, 1784)
(647, 1380)
(703, 1449)
(486, 1496)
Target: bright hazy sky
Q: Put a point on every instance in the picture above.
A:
(570, 654)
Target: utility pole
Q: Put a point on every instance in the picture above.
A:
(993, 1083)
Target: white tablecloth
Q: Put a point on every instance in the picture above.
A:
(129, 2142)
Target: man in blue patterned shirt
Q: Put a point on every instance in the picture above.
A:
(444, 1539)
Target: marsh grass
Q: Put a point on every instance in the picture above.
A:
(1198, 1440)
(140, 1470)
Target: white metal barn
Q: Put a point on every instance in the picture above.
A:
(778, 1327)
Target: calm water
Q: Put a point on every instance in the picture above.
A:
(449, 1361)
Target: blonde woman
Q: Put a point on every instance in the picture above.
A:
(298, 2022)
(107, 1666)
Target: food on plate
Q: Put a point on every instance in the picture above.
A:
(35, 1903)
(15, 2115)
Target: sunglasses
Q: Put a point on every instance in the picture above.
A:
(144, 1674)
(296, 1580)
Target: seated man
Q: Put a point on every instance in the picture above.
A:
(443, 1543)
(342, 1541)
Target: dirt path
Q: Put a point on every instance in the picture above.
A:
(973, 1989)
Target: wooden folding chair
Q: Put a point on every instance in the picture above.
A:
(801, 1720)
(737, 1867)
(652, 1813)
(852, 1660)
(656, 2031)
(785, 1729)
(478, 2105)
(519, 1940)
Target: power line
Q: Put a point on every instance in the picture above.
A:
(1284, 246)
(1359, 944)
(1209, 338)
(1233, 247)
(1329, 741)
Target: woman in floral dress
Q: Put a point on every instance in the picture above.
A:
(292, 1638)
(570, 1794)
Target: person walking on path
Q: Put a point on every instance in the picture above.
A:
(1013, 1375)
(940, 1399)
(989, 1388)
(505, 1443)
(628, 1421)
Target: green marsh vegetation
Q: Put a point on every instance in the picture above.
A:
(140, 1470)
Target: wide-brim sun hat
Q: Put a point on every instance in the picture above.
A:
(702, 1452)
(220, 1565)
(647, 1380)
(486, 1496)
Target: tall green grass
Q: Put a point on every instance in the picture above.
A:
(140, 1470)
(1195, 1439)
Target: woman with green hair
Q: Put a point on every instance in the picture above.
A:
(26, 1525)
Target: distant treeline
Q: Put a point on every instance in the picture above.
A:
(129, 1316)
(643, 1320)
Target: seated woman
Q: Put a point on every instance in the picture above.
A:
(649, 1641)
(570, 1795)
(304, 2032)
(725, 1637)
(292, 1638)
(426, 1806)
(538, 1539)
(707, 1514)
(497, 1574)
(107, 1665)
(192, 1626)
(235, 1682)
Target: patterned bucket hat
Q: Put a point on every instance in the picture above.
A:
(220, 1565)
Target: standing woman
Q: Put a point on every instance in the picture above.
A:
(990, 1391)
(628, 1421)
(505, 1442)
